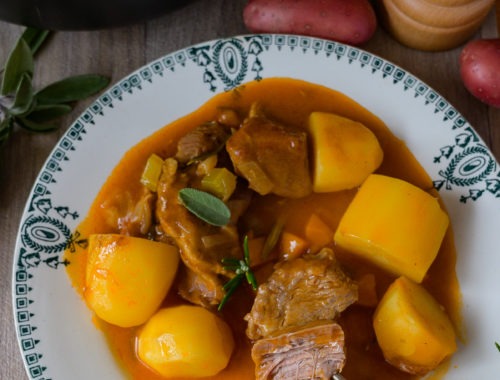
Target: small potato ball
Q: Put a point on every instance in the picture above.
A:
(185, 341)
(128, 277)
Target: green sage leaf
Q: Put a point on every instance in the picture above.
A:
(205, 206)
(19, 62)
(34, 126)
(46, 112)
(72, 89)
(34, 38)
(497, 346)
(24, 96)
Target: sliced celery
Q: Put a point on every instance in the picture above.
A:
(220, 182)
(152, 171)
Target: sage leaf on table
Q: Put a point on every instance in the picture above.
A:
(34, 126)
(34, 38)
(46, 112)
(21, 105)
(19, 62)
(71, 89)
(205, 206)
(24, 96)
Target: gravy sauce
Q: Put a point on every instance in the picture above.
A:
(290, 101)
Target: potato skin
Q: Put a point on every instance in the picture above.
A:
(353, 22)
(480, 70)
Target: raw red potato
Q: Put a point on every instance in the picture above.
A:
(480, 70)
(352, 22)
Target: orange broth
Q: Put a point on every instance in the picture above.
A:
(290, 101)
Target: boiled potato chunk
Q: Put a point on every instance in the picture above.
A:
(185, 341)
(127, 277)
(345, 152)
(413, 331)
(395, 225)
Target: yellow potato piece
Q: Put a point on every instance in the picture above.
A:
(185, 341)
(345, 152)
(127, 277)
(394, 225)
(413, 331)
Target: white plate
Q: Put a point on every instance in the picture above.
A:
(57, 338)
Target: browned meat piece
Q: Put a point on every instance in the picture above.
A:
(271, 156)
(199, 288)
(204, 139)
(314, 352)
(130, 216)
(202, 246)
(300, 291)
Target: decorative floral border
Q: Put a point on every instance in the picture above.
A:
(465, 163)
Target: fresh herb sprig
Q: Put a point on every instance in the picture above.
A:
(205, 206)
(242, 270)
(21, 105)
(497, 346)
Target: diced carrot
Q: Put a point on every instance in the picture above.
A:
(292, 246)
(367, 292)
(317, 233)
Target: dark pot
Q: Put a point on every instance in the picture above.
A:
(83, 14)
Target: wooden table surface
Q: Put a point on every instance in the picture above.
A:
(119, 51)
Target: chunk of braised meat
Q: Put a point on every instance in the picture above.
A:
(202, 140)
(271, 156)
(298, 292)
(199, 288)
(128, 215)
(201, 245)
(313, 352)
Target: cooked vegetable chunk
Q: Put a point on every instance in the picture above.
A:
(395, 225)
(345, 152)
(292, 246)
(152, 172)
(185, 341)
(413, 331)
(220, 182)
(127, 278)
(317, 232)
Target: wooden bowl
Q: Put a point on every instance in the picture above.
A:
(422, 25)
(450, 3)
(434, 14)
